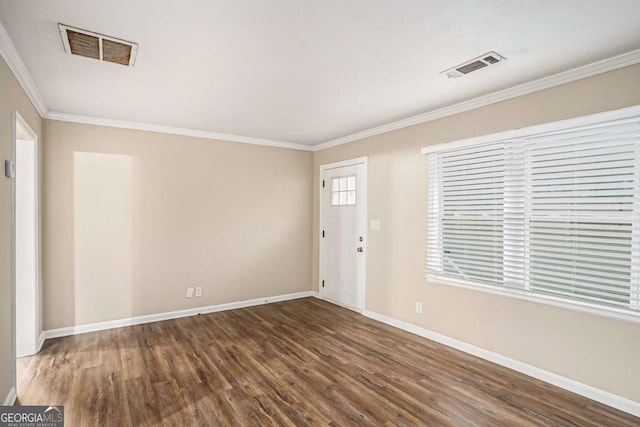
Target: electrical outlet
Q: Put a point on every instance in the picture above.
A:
(189, 293)
(198, 291)
(418, 307)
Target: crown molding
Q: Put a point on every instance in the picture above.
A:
(150, 127)
(589, 70)
(13, 60)
(17, 66)
(10, 54)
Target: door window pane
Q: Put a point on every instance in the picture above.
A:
(343, 191)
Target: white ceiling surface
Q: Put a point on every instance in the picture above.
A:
(305, 72)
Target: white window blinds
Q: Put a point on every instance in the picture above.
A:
(555, 214)
(467, 212)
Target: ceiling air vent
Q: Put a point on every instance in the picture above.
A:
(481, 61)
(97, 46)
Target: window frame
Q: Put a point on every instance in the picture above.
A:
(524, 294)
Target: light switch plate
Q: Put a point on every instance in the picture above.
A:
(374, 224)
(189, 293)
(9, 169)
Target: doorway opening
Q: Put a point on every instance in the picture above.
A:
(25, 244)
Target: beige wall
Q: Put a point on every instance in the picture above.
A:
(593, 350)
(133, 218)
(12, 99)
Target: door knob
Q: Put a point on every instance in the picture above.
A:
(359, 249)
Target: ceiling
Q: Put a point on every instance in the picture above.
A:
(305, 72)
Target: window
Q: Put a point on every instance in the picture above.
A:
(343, 191)
(550, 213)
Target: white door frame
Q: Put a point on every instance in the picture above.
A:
(37, 342)
(362, 196)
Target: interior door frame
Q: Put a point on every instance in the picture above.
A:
(362, 196)
(19, 120)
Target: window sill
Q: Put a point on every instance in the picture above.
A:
(580, 306)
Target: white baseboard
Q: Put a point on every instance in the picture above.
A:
(110, 324)
(11, 397)
(585, 390)
(40, 342)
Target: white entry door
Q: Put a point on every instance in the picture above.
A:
(343, 233)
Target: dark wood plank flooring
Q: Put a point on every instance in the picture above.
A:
(294, 363)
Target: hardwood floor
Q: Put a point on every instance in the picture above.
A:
(294, 363)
